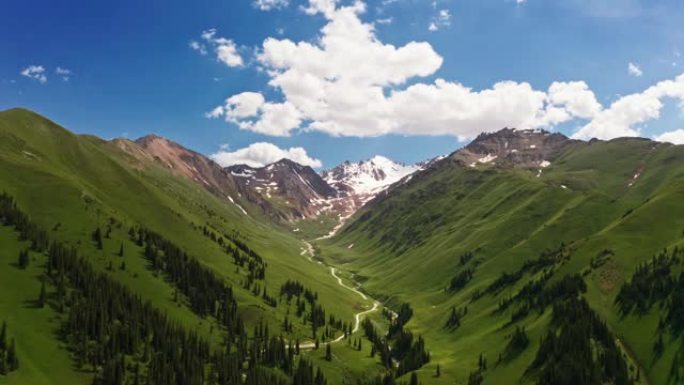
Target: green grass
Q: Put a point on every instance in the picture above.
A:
(71, 184)
(42, 358)
(407, 246)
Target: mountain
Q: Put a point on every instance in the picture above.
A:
(284, 191)
(367, 177)
(517, 148)
(524, 257)
(482, 244)
(294, 188)
(135, 241)
(357, 183)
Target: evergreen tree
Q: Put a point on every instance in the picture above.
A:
(414, 379)
(97, 238)
(23, 261)
(121, 250)
(43, 295)
(12, 360)
(328, 352)
(3, 336)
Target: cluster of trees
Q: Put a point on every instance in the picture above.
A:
(207, 294)
(316, 316)
(123, 339)
(461, 280)
(519, 341)
(455, 316)
(243, 255)
(9, 361)
(535, 295)
(652, 282)
(578, 349)
(546, 260)
(655, 282)
(398, 345)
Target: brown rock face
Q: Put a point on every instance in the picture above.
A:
(297, 189)
(517, 148)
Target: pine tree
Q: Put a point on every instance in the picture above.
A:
(3, 336)
(328, 353)
(121, 250)
(414, 379)
(12, 360)
(43, 295)
(97, 238)
(23, 261)
(438, 371)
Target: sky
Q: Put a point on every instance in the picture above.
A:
(324, 81)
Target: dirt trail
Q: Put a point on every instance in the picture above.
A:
(308, 251)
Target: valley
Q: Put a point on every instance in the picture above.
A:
(524, 255)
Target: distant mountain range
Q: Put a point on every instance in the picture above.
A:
(284, 190)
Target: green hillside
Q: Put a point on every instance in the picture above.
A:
(115, 270)
(74, 186)
(478, 237)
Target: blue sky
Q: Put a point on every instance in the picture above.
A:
(131, 71)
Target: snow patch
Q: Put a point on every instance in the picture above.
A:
(487, 159)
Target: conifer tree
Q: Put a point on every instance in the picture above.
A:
(43, 295)
(414, 379)
(23, 261)
(328, 352)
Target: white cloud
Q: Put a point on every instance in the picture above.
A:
(275, 119)
(385, 21)
(225, 49)
(624, 115)
(267, 5)
(65, 73)
(199, 47)
(675, 137)
(576, 97)
(263, 153)
(442, 19)
(349, 83)
(634, 70)
(36, 72)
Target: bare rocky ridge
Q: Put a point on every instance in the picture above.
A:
(511, 147)
(297, 190)
(194, 167)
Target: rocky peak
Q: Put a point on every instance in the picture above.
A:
(518, 148)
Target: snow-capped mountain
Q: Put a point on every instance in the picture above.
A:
(367, 178)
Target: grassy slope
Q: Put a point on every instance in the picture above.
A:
(72, 184)
(509, 217)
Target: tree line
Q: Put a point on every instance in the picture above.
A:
(125, 340)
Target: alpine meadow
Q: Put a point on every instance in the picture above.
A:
(342, 192)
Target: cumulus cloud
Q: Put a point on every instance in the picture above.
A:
(263, 153)
(65, 73)
(347, 82)
(35, 72)
(624, 116)
(267, 5)
(634, 70)
(675, 137)
(225, 49)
